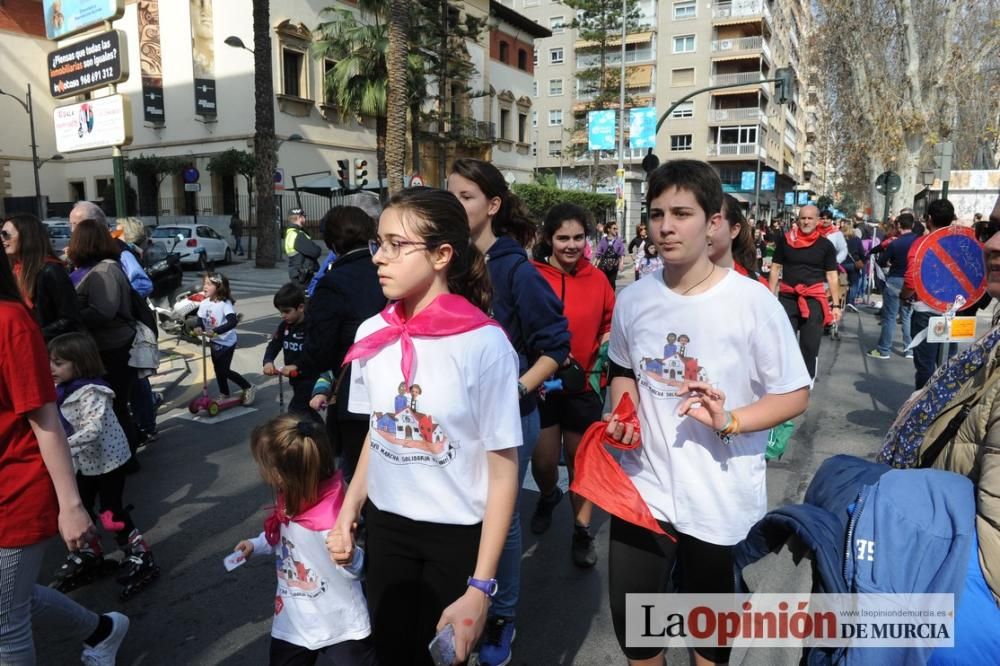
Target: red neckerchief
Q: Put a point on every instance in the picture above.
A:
(745, 273)
(448, 314)
(826, 229)
(320, 516)
(795, 238)
(601, 480)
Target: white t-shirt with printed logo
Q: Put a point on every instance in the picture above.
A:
(736, 337)
(214, 314)
(429, 441)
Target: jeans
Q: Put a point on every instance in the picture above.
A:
(926, 354)
(239, 245)
(856, 289)
(22, 602)
(890, 308)
(143, 406)
(509, 567)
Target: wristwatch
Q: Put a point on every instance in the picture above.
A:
(487, 587)
(522, 390)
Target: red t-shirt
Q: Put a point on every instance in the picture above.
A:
(28, 508)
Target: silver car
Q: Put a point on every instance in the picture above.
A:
(196, 238)
(59, 233)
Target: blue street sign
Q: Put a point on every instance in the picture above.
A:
(747, 180)
(950, 263)
(767, 181)
(601, 130)
(789, 198)
(190, 175)
(642, 127)
(803, 198)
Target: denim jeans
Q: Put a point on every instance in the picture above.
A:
(891, 308)
(143, 406)
(509, 567)
(926, 354)
(23, 602)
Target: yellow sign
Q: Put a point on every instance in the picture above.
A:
(963, 328)
(958, 329)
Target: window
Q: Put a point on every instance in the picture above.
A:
(522, 127)
(504, 123)
(556, 56)
(557, 24)
(534, 118)
(531, 3)
(555, 148)
(329, 95)
(293, 71)
(504, 52)
(77, 190)
(680, 142)
(684, 44)
(682, 77)
(744, 135)
(555, 87)
(534, 57)
(683, 110)
(555, 117)
(522, 60)
(685, 10)
(534, 88)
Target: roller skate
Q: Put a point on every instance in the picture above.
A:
(82, 567)
(138, 569)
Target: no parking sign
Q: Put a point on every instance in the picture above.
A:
(948, 264)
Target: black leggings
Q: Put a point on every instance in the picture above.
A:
(415, 570)
(643, 562)
(612, 277)
(345, 653)
(222, 359)
(121, 377)
(810, 329)
(109, 487)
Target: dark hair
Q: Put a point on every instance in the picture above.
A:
(941, 213)
(91, 243)
(513, 218)
(743, 249)
(33, 249)
(919, 228)
(440, 219)
(289, 295)
(8, 285)
(80, 350)
(557, 215)
(905, 221)
(294, 456)
(695, 176)
(346, 228)
(826, 214)
(222, 290)
(650, 250)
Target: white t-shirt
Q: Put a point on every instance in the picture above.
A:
(735, 336)
(429, 443)
(214, 314)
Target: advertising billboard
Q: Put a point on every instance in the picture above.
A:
(96, 123)
(642, 127)
(68, 17)
(93, 62)
(601, 130)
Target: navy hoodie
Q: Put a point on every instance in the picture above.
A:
(527, 308)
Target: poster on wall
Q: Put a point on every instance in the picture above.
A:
(68, 17)
(151, 62)
(203, 56)
(96, 123)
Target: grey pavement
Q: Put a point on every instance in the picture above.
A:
(198, 493)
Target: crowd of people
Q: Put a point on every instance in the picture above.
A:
(447, 345)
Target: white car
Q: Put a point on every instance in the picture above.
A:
(195, 238)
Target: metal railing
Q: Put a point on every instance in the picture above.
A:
(741, 9)
(740, 77)
(723, 115)
(733, 149)
(740, 44)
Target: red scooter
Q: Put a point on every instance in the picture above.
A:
(204, 402)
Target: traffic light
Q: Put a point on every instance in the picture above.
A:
(360, 173)
(942, 159)
(784, 87)
(344, 174)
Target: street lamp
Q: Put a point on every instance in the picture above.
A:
(236, 43)
(927, 176)
(26, 105)
(55, 158)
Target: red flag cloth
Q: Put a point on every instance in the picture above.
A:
(601, 480)
(795, 238)
(804, 291)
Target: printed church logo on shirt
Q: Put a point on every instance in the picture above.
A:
(407, 436)
(295, 579)
(663, 376)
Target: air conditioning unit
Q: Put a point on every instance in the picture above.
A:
(725, 45)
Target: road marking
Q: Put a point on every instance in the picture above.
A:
(231, 413)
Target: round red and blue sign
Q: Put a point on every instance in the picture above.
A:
(950, 263)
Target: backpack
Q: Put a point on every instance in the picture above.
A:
(608, 260)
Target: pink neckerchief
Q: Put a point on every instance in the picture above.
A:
(448, 314)
(320, 516)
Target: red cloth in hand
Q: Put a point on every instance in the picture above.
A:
(601, 480)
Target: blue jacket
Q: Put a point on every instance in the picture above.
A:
(895, 255)
(527, 308)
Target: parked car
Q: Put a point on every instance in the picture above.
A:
(196, 238)
(59, 233)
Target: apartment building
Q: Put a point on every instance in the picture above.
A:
(678, 47)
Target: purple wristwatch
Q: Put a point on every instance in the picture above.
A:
(487, 587)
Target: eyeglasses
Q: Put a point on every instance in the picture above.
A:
(392, 248)
(986, 230)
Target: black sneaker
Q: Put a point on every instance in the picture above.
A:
(584, 553)
(542, 518)
(495, 647)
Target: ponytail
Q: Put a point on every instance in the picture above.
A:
(294, 456)
(469, 277)
(743, 249)
(513, 218)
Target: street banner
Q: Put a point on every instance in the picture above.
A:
(68, 17)
(950, 264)
(767, 181)
(203, 56)
(601, 130)
(96, 123)
(748, 180)
(803, 198)
(789, 198)
(93, 62)
(151, 62)
(642, 127)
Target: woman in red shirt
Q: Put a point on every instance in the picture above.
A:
(38, 493)
(588, 300)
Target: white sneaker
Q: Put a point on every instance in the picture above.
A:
(248, 395)
(104, 653)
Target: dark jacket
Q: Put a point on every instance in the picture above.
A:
(56, 308)
(895, 255)
(527, 308)
(346, 296)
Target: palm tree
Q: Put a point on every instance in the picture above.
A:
(360, 74)
(264, 146)
(396, 106)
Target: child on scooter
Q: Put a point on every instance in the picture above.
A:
(319, 606)
(100, 451)
(217, 318)
(289, 340)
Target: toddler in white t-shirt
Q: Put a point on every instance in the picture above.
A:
(711, 362)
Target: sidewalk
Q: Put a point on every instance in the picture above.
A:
(243, 270)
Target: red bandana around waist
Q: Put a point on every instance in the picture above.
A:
(804, 291)
(448, 314)
(799, 240)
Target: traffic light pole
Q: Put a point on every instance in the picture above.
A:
(673, 106)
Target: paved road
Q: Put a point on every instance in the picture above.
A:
(198, 493)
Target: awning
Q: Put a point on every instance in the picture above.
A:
(751, 88)
(739, 21)
(634, 38)
(640, 76)
(745, 56)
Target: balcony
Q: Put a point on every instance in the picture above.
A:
(464, 130)
(748, 78)
(741, 9)
(726, 115)
(735, 150)
(735, 46)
